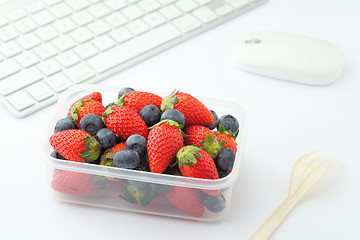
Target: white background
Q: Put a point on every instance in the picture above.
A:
(285, 121)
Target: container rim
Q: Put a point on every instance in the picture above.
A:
(136, 175)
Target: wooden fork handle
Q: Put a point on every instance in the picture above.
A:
(271, 224)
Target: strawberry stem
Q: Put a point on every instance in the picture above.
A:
(74, 110)
(92, 149)
(188, 155)
(212, 145)
(169, 101)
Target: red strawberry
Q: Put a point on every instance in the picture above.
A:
(186, 199)
(196, 133)
(137, 100)
(224, 135)
(164, 141)
(75, 183)
(83, 107)
(197, 163)
(124, 122)
(194, 111)
(94, 96)
(107, 157)
(75, 145)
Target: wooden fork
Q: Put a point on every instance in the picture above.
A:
(307, 171)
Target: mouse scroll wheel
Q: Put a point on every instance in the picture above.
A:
(253, 41)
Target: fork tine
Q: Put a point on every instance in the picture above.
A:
(315, 176)
(296, 173)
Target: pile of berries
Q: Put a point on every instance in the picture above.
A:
(142, 131)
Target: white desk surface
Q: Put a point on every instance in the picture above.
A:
(285, 121)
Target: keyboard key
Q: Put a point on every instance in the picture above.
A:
(82, 18)
(239, 3)
(187, 23)
(35, 7)
(81, 35)
(79, 73)
(99, 10)
(3, 21)
(86, 51)
(166, 2)
(10, 49)
(40, 91)
(205, 14)
(46, 51)
(116, 19)
(16, 15)
(154, 19)
(29, 41)
(77, 5)
(8, 68)
(49, 67)
(103, 43)
(21, 100)
(122, 53)
(64, 25)
(137, 27)
(19, 81)
(133, 12)
(99, 27)
(149, 5)
(116, 4)
(27, 59)
(68, 59)
(170, 12)
(46, 33)
(64, 43)
(224, 10)
(52, 2)
(204, 2)
(186, 5)
(60, 10)
(43, 18)
(25, 25)
(121, 35)
(59, 82)
(8, 33)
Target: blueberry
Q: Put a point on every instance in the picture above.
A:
(125, 90)
(64, 124)
(56, 155)
(91, 123)
(225, 159)
(222, 173)
(174, 115)
(159, 188)
(144, 164)
(214, 204)
(211, 127)
(137, 143)
(106, 138)
(128, 159)
(150, 114)
(230, 123)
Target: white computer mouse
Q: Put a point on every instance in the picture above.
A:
(289, 56)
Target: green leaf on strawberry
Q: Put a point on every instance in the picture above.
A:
(212, 145)
(187, 155)
(92, 149)
(74, 109)
(169, 101)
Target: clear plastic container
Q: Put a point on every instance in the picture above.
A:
(115, 180)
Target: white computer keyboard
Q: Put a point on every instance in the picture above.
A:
(47, 46)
